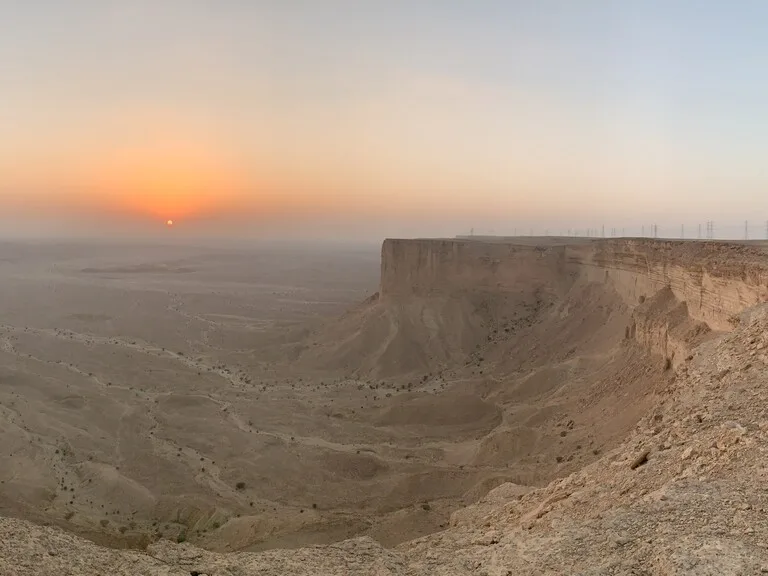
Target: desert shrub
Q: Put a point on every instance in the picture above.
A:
(240, 485)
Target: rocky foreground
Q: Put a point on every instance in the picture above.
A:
(686, 493)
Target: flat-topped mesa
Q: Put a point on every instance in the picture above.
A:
(716, 280)
(424, 267)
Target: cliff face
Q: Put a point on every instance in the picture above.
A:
(424, 267)
(677, 290)
(716, 280)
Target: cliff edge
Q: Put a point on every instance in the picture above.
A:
(440, 301)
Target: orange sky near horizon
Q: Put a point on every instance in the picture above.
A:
(333, 117)
(161, 166)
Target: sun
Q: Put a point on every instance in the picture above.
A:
(169, 223)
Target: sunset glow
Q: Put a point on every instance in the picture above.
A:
(253, 118)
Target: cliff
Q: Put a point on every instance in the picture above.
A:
(677, 290)
(431, 267)
(718, 280)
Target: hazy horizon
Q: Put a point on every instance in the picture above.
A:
(358, 121)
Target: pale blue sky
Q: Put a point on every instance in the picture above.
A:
(438, 115)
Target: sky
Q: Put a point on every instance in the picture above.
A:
(365, 119)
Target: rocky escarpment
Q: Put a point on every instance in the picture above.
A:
(435, 267)
(677, 290)
(718, 280)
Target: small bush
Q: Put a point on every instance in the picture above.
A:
(240, 485)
